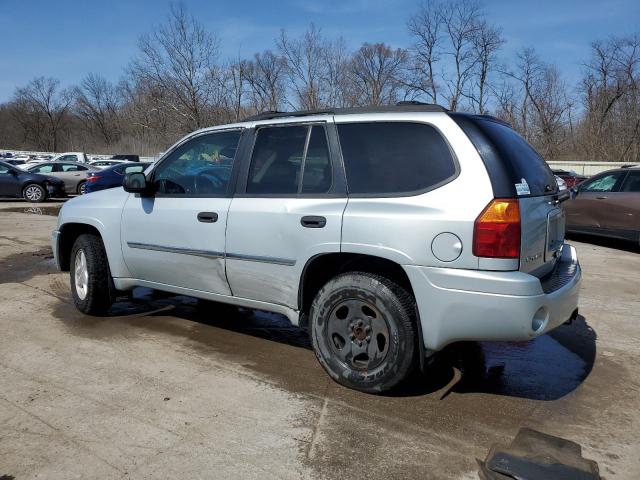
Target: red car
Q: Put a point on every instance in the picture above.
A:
(571, 178)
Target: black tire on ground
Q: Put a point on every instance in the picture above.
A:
(363, 331)
(34, 193)
(92, 289)
(80, 189)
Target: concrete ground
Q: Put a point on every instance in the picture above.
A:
(162, 389)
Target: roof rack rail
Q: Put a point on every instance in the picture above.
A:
(409, 106)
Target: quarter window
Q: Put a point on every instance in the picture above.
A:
(290, 160)
(200, 167)
(394, 157)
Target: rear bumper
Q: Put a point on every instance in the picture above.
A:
(456, 304)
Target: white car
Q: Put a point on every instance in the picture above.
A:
(389, 232)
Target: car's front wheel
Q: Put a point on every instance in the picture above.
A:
(364, 332)
(34, 193)
(91, 282)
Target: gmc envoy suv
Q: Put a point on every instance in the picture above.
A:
(388, 232)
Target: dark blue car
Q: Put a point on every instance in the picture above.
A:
(111, 177)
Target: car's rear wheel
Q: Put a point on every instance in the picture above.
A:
(34, 193)
(91, 283)
(363, 331)
(82, 188)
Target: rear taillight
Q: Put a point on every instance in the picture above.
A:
(496, 233)
(92, 178)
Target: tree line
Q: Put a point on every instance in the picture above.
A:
(178, 82)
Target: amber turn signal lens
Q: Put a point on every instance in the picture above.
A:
(496, 232)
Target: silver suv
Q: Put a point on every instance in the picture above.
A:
(389, 232)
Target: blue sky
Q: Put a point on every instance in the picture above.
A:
(68, 39)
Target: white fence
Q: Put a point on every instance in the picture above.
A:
(588, 168)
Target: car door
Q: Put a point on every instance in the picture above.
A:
(623, 216)
(288, 208)
(177, 236)
(9, 183)
(590, 208)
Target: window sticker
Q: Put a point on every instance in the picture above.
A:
(522, 188)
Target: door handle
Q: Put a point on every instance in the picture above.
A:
(312, 221)
(602, 198)
(208, 217)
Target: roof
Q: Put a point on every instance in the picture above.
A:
(399, 107)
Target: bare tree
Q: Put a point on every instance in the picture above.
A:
(487, 40)
(426, 27)
(611, 99)
(265, 77)
(44, 106)
(315, 69)
(376, 74)
(98, 104)
(460, 24)
(544, 105)
(178, 60)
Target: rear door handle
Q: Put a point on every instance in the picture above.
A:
(208, 217)
(602, 198)
(312, 221)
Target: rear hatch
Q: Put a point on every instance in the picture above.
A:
(518, 171)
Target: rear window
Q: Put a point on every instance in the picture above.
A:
(394, 157)
(508, 157)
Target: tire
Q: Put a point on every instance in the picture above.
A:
(374, 359)
(91, 286)
(80, 190)
(34, 193)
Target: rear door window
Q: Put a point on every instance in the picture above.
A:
(631, 183)
(394, 157)
(290, 160)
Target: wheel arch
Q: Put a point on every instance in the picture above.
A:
(69, 232)
(319, 269)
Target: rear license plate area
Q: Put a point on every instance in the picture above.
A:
(555, 234)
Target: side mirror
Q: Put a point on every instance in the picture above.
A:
(574, 192)
(136, 182)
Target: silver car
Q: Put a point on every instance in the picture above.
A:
(389, 232)
(73, 174)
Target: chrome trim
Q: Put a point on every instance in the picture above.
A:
(183, 251)
(210, 254)
(254, 258)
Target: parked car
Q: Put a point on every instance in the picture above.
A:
(128, 158)
(608, 204)
(73, 174)
(110, 177)
(106, 163)
(33, 187)
(460, 237)
(14, 162)
(570, 177)
(71, 157)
